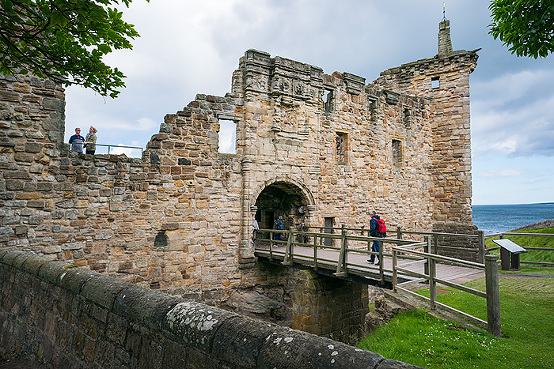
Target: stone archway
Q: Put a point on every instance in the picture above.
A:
(284, 199)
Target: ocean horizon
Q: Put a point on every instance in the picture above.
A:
(502, 218)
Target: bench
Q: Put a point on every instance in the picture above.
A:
(509, 254)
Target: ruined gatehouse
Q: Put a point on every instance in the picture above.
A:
(317, 149)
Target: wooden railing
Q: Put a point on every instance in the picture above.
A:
(492, 294)
(414, 251)
(347, 244)
(437, 246)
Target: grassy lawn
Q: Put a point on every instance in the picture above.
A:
(527, 317)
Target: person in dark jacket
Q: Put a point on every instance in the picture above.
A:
(77, 141)
(374, 232)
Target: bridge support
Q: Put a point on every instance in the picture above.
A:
(330, 307)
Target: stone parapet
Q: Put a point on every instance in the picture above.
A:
(79, 318)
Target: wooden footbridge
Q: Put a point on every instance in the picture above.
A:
(345, 255)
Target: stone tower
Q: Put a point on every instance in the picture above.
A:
(444, 79)
(445, 44)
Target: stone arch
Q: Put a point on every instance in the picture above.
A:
(287, 179)
(283, 196)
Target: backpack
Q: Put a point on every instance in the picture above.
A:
(381, 227)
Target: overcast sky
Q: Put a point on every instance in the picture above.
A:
(188, 47)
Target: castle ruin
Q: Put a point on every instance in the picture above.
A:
(314, 148)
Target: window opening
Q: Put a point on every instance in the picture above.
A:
(396, 152)
(435, 82)
(328, 100)
(161, 239)
(227, 137)
(372, 108)
(341, 145)
(407, 118)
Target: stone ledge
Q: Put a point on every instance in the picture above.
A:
(218, 335)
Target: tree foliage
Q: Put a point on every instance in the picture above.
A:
(65, 40)
(525, 26)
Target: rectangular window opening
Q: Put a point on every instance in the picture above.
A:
(227, 137)
(328, 100)
(397, 152)
(341, 147)
(435, 82)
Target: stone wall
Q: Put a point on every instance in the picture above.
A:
(311, 147)
(330, 307)
(444, 80)
(67, 317)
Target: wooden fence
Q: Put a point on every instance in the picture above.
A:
(492, 294)
(413, 251)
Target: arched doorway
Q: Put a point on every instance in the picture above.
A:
(282, 199)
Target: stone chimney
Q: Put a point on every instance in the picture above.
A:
(445, 44)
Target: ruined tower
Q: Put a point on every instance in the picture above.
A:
(444, 79)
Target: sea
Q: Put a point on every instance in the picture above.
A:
(501, 218)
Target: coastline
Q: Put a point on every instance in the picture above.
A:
(543, 224)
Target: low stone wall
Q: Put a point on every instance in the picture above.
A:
(68, 317)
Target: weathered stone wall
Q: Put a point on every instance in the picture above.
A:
(330, 307)
(180, 218)
(168, 221)
(292, 138)
(450, 163)
(75, 318)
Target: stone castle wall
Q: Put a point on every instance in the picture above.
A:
(310, 147)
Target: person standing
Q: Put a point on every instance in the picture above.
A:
(374, 232)
(77, 141)
(278, 224)
(90, 141)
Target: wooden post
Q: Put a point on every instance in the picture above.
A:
(399, 232)
(270, 245)
(341, 265)
(288, 252)
(381, 262)
(481, 245)
(432, 282)
(394, 271)
(493, 295)
(427, 250)
(315, 252)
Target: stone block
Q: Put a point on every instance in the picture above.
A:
(239, 340)
(144, 306)
(102, 290)
(195, 323)
(293, 349)
(73, 279)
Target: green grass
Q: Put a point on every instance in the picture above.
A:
(527, 318)
(527, 312)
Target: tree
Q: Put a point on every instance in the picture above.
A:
(65, 40)
(525, 26)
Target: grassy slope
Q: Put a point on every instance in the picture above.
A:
(527, 314)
